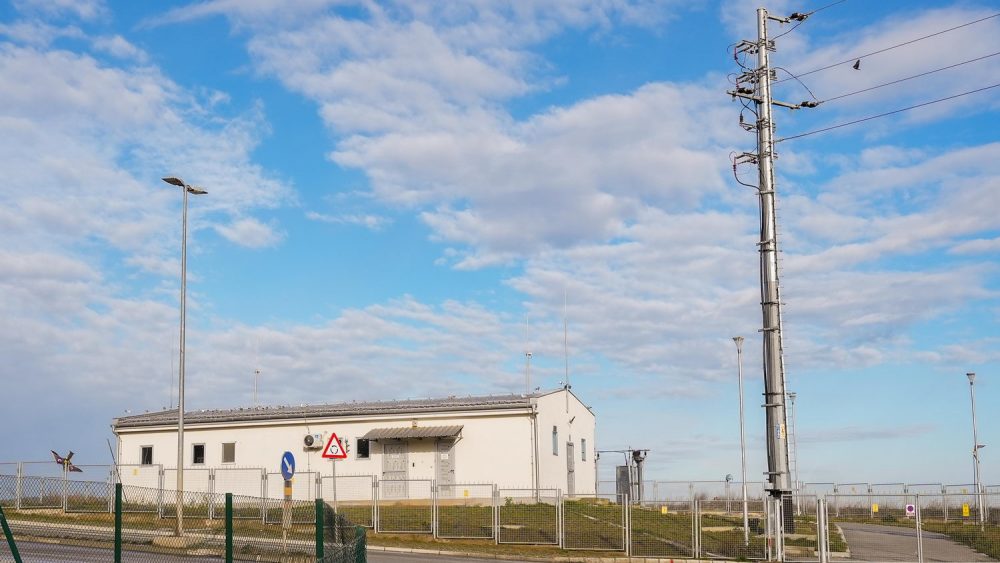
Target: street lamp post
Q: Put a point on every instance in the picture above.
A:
(743, 447)
(976, 446)
(180, 378)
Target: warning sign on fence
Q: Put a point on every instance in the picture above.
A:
(965, 510)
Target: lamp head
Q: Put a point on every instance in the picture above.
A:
(971, 376)
(195, 190)
(174, 180)
(738, 340)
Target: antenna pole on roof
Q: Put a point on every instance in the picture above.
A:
(172, 377)
(256, 371)
(566, 346)
(527, 358)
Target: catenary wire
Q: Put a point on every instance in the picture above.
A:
(857, 57)
(870, 117)
(907, 78)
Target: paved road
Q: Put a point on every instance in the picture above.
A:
(872, 542)
(33, 552)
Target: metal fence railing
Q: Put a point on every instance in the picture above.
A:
(594, 523)
(464, 511)
(405, 506)
(352, 495)
(528, 516)
(924, 522)
(147, 536)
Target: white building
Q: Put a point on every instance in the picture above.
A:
(543, 439)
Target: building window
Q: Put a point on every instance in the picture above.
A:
(555, 440)
(363, 448)
(198, 454)
(229, 452)
(583, 449)
(147, 455)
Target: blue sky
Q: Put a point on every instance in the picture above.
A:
(394, 187)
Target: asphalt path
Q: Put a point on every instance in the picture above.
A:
(872, 542)
(35, 552)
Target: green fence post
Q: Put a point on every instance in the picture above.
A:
(229, 527)
(118, 523)
(360, 545)
(319, 529)
(10, 537)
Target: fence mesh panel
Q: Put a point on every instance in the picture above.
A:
(465, 511)
(664, 529)
(593, 523)
(407, 507)
(8, 487)
(721, 534)
(352, 496)
(528, 516)
(247, 482)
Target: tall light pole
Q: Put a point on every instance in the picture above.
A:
(976, 446)
(180, 378)
(743, 446)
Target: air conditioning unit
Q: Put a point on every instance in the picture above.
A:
(313, 441)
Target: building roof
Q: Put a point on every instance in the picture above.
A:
(406, 432)
(283, 412)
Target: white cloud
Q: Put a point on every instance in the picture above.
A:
(83, 9)
(977, 246)
(366, 220)
(118, 46)
(251, 233)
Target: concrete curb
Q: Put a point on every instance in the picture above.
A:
(561, 559)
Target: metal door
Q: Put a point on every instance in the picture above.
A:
(570, 469)
(445, 467)
(394, 469)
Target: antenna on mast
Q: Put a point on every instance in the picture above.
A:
(172, 375)
(256, 371)
(566, 384)
(527, 358)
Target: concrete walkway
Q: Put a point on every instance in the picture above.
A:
(875, 543)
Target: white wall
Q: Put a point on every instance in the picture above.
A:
(555, 410)
(494, 447)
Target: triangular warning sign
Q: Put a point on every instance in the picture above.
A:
(334, 449)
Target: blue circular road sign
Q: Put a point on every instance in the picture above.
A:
(287, 465)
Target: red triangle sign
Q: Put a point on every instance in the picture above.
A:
(334, 449)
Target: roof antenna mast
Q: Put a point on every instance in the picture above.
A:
(527, 358)
(566, 384)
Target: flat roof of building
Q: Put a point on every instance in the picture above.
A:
(286, 412)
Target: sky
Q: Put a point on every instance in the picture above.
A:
(404, 197)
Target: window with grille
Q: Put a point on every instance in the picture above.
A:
(198, 454)
(147, 455)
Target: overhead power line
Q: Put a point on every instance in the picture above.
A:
(870, 117)
(922, 74)
(891, 47)
(802, 18)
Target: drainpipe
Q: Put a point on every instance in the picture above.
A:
(534, 461)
